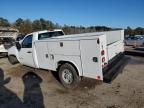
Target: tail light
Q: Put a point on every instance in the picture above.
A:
(103, 59)
(98, 77)
(102, 52)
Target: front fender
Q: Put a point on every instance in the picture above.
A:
(14, 52)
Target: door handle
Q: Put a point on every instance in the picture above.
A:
(29, 52)
(46, 55)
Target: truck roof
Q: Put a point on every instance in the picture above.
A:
(43, 31)
(72, 38)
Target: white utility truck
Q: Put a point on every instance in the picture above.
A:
(96, 55)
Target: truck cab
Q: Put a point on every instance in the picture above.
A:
(23, 50)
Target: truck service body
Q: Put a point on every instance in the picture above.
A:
(95, 55)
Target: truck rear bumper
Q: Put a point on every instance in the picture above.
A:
(114, 67)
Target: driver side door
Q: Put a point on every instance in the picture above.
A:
(26, 51)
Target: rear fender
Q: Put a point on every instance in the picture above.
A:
(79, 71)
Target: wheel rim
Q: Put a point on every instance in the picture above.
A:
(67, 76)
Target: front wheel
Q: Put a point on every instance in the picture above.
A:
(68, 76)
(13, 60)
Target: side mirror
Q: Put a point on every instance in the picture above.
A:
(18, 45)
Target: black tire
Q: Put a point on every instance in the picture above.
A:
(76, 79)
(13, 60)
(4, 54)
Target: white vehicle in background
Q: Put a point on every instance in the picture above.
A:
(7, 39)
(5, 43)
(135, 41)
(95, 55)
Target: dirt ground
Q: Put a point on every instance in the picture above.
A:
(39, 89)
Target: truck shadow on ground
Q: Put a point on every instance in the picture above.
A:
(33, 97)
(140, 54)
(136, 52)
(140, 49)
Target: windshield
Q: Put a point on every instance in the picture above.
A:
(50, 34)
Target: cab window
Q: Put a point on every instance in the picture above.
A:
(27, 42)
(50, 34)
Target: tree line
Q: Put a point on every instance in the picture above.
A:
(26, 26)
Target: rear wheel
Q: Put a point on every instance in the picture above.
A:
(68, 76)
(13, 60)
